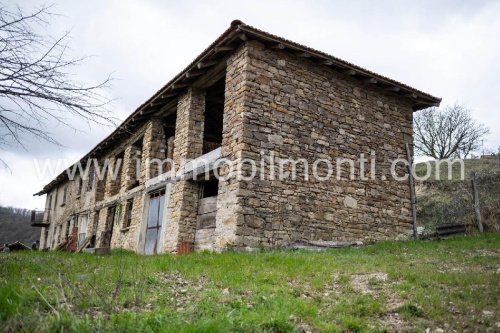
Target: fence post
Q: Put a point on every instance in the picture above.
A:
(476, 202)
(412, 191)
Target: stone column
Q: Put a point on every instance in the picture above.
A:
(180, 222)
(230, 216)
(154, 148)
(128, 168)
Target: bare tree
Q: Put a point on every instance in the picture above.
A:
(447, 132)
(37, 90)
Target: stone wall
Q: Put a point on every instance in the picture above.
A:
(284, 103)
(106, 193)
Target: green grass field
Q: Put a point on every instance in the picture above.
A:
(452, 284)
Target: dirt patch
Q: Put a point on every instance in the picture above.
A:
(181, 290)
(364, 283)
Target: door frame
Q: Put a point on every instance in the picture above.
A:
(141, 236)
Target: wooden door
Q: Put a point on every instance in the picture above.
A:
(155, 220)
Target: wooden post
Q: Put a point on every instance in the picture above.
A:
(412, 191)
(475, 196)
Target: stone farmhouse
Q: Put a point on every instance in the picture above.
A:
(248, 94)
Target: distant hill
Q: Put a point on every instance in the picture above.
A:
(450, 201)
(470, 165)
(15, 226)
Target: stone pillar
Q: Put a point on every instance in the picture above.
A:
(110, 183)
(154, 148)
(230, 203)
(128, 168)
(180, 222)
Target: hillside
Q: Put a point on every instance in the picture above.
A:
(450, 201)
(15, 226)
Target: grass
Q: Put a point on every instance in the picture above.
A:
(404, 286)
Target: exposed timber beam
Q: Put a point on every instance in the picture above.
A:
(223, 48)
(278, 46)
(208, 63)
(194, 73)
(394, 89)
(180, 85)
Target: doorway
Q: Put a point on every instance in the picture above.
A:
(108, 229)
(155, 220)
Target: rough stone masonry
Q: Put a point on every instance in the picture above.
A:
(248, 96)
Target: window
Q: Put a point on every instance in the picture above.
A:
(80, 185)
(82, 230)
(128, 214)
(135, 163)
(65, 195)
(46, 238)
(49, 208)
(209, 188)
(90, 183)
(67, 227)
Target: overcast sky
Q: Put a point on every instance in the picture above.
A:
(450, 49)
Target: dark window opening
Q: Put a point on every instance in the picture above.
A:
(209, 188)
(108, 229)
(92, 242)
(168, 138)
(65, 195)
(214, 111)
(49, 208)
(136, 163)
(128, 214)
(80, 185)
(90, 180)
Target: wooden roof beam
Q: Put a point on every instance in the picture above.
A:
(223, 48)
(394, 89)
(278, 46)
(350, 72)
(194, 73)
(208, 63)
(180, 85)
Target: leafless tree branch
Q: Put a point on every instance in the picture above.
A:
(447, 132)
(36, 85)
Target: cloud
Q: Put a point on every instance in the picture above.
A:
(446, 48)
